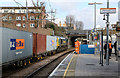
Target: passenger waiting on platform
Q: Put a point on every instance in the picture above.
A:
(105, 48)
(110, 48)
(115, 47)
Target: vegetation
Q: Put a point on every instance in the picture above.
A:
(58, 31)
(50, 25)
(71, 22)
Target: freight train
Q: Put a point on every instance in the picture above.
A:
(20, 47)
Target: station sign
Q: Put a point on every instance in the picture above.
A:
(107, 10)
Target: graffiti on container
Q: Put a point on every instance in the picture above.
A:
(16, 44)
(52, 42)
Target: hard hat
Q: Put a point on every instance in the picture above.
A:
(75, 39)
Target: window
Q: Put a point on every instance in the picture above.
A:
(18, 25)
(10, 18)
(37, 17)
(23, 25)
(12, 11)
(23, 18)
(18, 18)
(24, 11)
(5, 11)
(32, 18)
(32, 11)
(19, 11)
(32, 25)
(5, 18)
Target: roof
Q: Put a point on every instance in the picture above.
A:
(19, 7)
(79, 31)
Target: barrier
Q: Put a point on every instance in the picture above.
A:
(87, 49)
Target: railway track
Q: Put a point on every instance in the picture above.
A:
(45, 70)
(42, 68)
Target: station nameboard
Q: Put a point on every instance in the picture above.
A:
(107, 10)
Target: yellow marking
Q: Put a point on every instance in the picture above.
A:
(25, 64)
(41, 57)
(68, 66)
(38, 58)
(57, 42)
(29, 62)
(64, 41)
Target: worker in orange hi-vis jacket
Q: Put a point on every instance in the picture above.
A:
(77, 45)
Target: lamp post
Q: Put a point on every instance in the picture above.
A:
(107, 54)
(95, 3)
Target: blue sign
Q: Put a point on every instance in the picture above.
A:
(16, 44)
(12, 44)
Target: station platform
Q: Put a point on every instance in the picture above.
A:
(85, 65)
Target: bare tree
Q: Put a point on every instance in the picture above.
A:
(79, 25)
(70, 20)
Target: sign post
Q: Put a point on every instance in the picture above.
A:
(107, 11)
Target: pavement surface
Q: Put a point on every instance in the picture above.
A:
(86, 65)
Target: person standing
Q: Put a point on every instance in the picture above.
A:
(110, 48)
(115, 47)
(105, 48)
(77, 45)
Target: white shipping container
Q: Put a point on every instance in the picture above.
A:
(51, 43)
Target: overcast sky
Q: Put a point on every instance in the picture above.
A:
(79, 8)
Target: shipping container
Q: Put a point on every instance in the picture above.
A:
(34, 43)
(0, 47)
(39, 44)
(51, 43)
(16, 45)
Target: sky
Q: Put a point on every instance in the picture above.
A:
(79, 8)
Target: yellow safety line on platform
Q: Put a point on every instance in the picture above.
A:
(68, 67)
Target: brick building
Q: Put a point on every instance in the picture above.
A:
(16, 18)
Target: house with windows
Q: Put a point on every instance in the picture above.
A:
(31, 19)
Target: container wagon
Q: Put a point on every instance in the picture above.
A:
(16, 46)
(39, 45)
(51, 44)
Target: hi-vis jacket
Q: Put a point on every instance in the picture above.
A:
(77, 45)
(110, 45)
